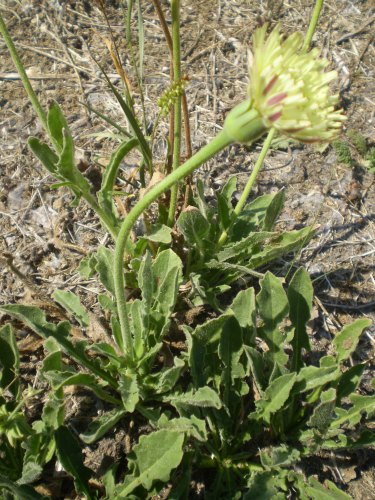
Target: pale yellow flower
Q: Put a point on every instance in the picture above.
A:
(290, 88)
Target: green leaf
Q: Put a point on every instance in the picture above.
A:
(282, 245)
(104, 268)
(35, 319)
(273, 306)
(273, 210)
(104, 195)
(257, 367)
(9, 362)
(274, 397)
(57, 123)
(300, 296)
(243, 247)
(265, 486)
(346, 341)
(231, 348)
(44, 154)
(323, 413)
(252, 216)
(168, 378)
(20, 492)
(167, 274)
(204, 397)
(101, 425)
(129, 391)
(349, 381)
(203, 347)
(224, 202)
(159, 233)
(71, 303)
(280, 456)
(272, 300)
(328, 491)
(156, 455)
(194, 226)
(192, 426)
(244, 308)
(60, 379)
(311, 377)
(360, 405)
(31, 471)
(70, 456)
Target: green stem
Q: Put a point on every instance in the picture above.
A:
(249, 184)
(217, 144)
(175, 9)
(24, 78)
(313, 23)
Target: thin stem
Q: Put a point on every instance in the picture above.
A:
(217, 144)
(175, 9)
(313, 23)
(25, 79)
(249, 184)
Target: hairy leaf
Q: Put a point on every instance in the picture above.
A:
(70, 456)
(9, 361)
(300, 295)
(346, 341)
(102, 425)
(274, 397)
(156, 455)
(71, 303)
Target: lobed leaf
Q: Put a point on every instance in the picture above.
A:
(156, 455)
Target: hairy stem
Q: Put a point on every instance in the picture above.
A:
(207, 152)
(313, 23)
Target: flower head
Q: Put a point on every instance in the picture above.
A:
(290, 89)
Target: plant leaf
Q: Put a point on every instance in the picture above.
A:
(44, 154)
(282, 245)
(204, 397)
(9, 361)
(347, 339)
(273, 210)
(104, 195)
(71, 303)
(70, 456)
(194, 226)
(360, 404)
(102, 425)
(22, 492)
(273, 306)
(157, 454)
(300, 295)
(323, 413)
(274, 397)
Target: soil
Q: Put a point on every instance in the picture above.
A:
(43, 238)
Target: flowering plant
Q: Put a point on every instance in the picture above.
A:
(288, 90)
